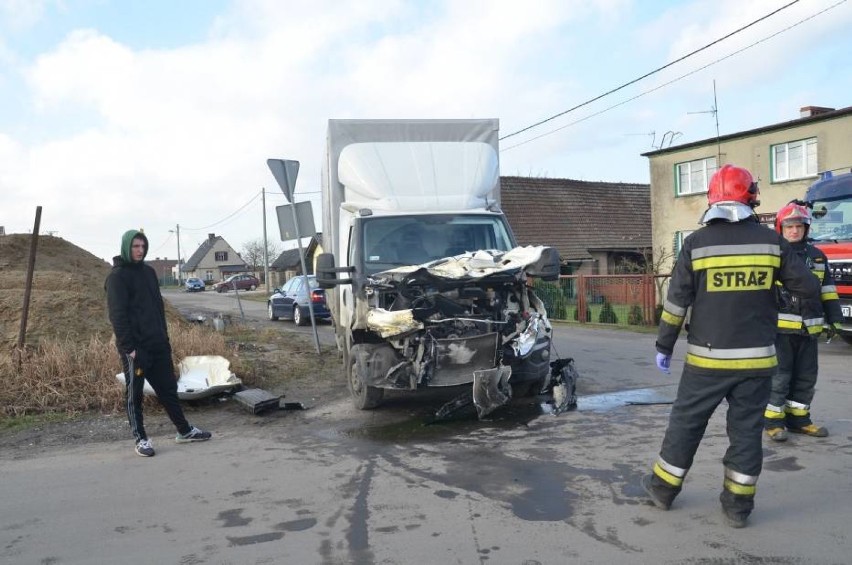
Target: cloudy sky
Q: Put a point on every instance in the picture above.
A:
(118, 115)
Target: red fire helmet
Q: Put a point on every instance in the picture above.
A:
(792, 213)
(733, 184)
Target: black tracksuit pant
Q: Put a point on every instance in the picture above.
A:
(160, 374)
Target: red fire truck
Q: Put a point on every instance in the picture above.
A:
(830, 199)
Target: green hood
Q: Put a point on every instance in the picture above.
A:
(127, 240)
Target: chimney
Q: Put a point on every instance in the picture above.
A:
(211, 237)
(811, 111)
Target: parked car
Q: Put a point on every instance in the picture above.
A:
(240, 282)
(193, 284)
(290, 302)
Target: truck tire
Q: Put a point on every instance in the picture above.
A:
(364, 397)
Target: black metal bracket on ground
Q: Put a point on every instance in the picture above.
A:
(257, 400)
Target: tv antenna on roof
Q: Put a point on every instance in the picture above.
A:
(715, 111)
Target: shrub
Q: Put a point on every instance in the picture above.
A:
(587, 316)
(635, 317)
(607, 315)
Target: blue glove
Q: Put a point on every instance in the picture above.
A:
(664, 362)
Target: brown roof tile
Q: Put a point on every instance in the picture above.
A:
(577, 216)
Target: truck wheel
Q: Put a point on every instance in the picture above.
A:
(270, 314)
(363, 397)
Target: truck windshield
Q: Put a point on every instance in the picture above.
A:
(832, 220)
(393, 241)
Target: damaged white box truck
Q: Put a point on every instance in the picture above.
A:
(429, 288)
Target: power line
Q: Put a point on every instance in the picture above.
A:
(228, 217)
(168, 239)
(641, 94)
(646, 75)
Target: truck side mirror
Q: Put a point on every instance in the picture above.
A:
(547, 267)
(327, 272)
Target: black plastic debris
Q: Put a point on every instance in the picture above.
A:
(562, 387)
(257, 400)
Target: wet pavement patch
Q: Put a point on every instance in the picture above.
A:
(232, 518)
(783, 464)
(251, 540)
(296, 525)
(635, 397)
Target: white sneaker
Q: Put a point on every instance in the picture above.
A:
(144, 448)
(193, 435)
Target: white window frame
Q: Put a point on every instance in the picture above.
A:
(698, 171)
(781, 159)
(679, 237)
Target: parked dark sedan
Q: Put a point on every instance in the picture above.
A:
(193, 284)
(290, 302)
(241, 282)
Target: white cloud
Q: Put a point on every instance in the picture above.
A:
(18, 15)
(122, 137)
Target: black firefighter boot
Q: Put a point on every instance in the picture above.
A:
(736, 508)
(661, 493)
(799, 422)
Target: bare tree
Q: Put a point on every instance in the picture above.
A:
(253, 253)
(653, 264)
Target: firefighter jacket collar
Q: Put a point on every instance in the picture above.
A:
(728, 211)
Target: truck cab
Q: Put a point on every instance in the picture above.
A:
(830, 199)
(428, 287)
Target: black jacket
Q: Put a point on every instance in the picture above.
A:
(136, 307)
(806, 316)
(726, 274)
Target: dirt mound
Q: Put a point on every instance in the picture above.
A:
(67, 300)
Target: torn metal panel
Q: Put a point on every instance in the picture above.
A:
(491, 389)
(387, 323)
(199, 376)
(458, 359)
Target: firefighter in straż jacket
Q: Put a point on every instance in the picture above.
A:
(725, 274)
(800, 321)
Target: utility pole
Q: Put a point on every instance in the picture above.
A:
(265, 244)
(177, 232)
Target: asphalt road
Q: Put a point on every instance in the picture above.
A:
(523, 488)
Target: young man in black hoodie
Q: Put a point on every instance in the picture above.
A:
(139, 323)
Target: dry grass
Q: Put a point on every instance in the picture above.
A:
(70, 361)
(68, 377)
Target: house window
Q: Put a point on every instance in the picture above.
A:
(221, 255)
(693, 177)
(208, 276)
(678, 241)
(794, 160)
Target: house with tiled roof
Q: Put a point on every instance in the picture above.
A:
(214, 260)
(785, 158)
(288, 264)
(165, 269)
(597, 227)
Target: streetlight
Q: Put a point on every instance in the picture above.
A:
(177, 232)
